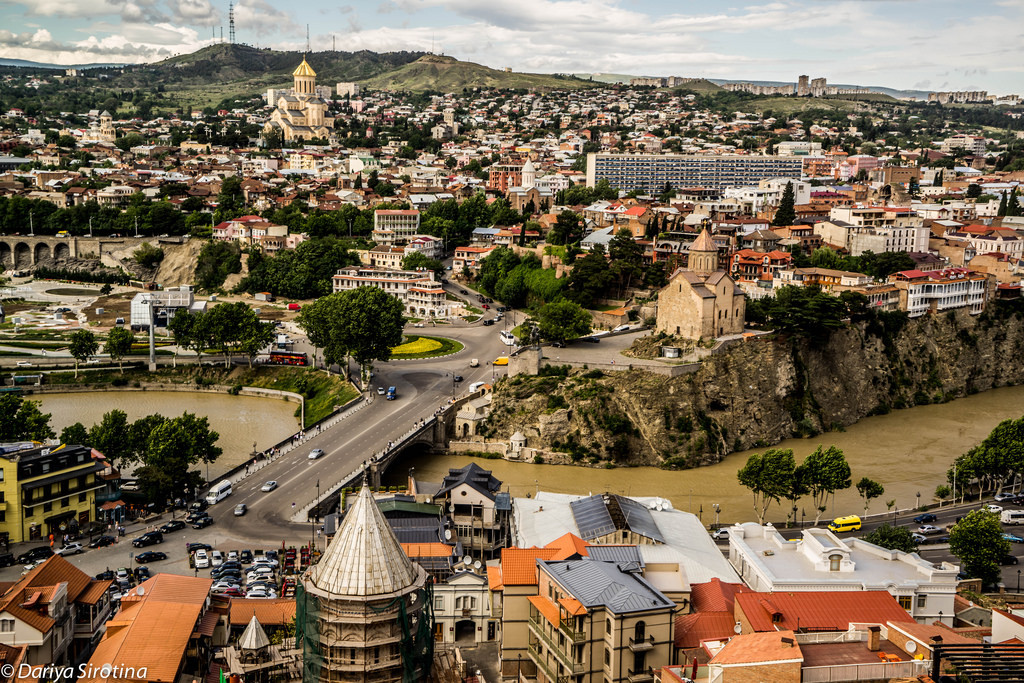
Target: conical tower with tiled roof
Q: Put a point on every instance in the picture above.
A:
(254, 637)
(367, 600)
(364, 558)
(703, 255)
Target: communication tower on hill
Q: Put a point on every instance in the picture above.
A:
(231, 22)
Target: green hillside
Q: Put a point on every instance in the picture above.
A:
(702, 86)
(447, 74)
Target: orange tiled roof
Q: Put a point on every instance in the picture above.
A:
(276, 612)
(759, 647)
(519, 565)
(427, 549)
(494, 579)
(545, 607)
(152, 630)
(572, 606)
(43, 580)
(568, 545)
(92, 594)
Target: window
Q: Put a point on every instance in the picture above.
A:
(81, 497)
(922, 600)
(47, 507)
(607, 657)
(904, 601)
(6, 625)
(833, 562)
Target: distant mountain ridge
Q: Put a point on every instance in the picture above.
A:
(892, 92)
(44, 65)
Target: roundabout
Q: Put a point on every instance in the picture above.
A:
(417, 347)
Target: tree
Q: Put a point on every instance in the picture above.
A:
(973, 191)
(978, 541)
(75, 434)
(417, 260)
(590, 278)
(1002, 204)
(561, 321)
(893, 538)
(21, 420)
(1013, 203)
(626, 260)
(106, 289)
(119, 344)
(824, 472)
(172, 448)
(112, 438)
(568, 228)
(370, 322)
(868, 489)
(82, 345)
(786, 213)
(256, 336)
(768, 476)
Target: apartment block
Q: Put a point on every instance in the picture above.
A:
(651, 172)
(942, 290)
(421, 295)
(395, 226)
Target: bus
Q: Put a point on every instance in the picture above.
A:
(507, 338)
(286, 358)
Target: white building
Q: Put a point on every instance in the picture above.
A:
(821, 561)
(395, 226)
(936, 291)
(419, 292)
(164, 305)
(462, 609)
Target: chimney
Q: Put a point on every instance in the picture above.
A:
(874, 638)
(787, 642)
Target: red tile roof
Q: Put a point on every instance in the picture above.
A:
(691, 629)
(494, 580)
(275, 612)
(568, 546)
(715, 595)
(754, 648)
(820, 610)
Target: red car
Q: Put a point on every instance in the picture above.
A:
(230, 593)
(485, 307)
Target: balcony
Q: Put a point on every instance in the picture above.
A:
(641, 645)
(575, 636)
(642, 676)
(565, 659)
(541, 662)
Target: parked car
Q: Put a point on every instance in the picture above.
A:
(35, 554)
(228, 592)
(202, 522)
(1013, 538)
(265, 560)
(240, 510)
(171, 526)
(105, 575)
(6, 559)
(225, 585)
(926, 518)
(149, 538)
(150, 556)
(141, 574)
(216, 558)
(919, 538)
(70, 549)
(1008, 559)
(1004, 497)
(720, 534)
(315, 453)
(202, 558)
(929, 530)
(380, 391)
(102, 541)
(192, 547)
(269, 486)
(245, 557)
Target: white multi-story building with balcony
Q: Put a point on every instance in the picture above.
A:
(420, 294)
(941, 290)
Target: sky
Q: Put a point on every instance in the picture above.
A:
(907, 44)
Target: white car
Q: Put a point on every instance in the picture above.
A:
(316, 453)
(380, 391)
(621, 328)
(927, 529)
(216, 558)
(24, 364)
(202, 559)
(993, 508)
(269, 486)
(720, 535)
(71, 549)
(264, 562)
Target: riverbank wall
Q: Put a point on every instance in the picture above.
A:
(760, 392)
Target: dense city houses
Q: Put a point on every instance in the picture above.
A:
(671, 203)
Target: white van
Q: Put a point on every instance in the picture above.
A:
(1012, 517)
(219, 492)
(475, 386)
(507, 338)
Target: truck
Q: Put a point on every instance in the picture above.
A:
(392, 394)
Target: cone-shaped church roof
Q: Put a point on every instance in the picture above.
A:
(304, 69)
(254, 637)
(703, 242)
(364, 558)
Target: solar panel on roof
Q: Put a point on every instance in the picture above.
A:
(639, 519)
(592, 517)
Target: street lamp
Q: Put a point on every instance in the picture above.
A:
(1018, 581)
(717, 508)
(918, 500)
(794, 514)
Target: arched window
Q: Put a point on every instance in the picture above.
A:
(833, 562)
(639, 631)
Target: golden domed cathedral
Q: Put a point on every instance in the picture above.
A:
(301, 114)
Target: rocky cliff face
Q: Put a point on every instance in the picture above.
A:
(762, 391)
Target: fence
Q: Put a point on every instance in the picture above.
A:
(831, 637)
(881, 671)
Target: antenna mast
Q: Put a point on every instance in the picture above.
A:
(231, 22)
(307, 37)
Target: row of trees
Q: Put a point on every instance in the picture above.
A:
(83, 344)
(518, 281)
(301, 273)
(774, 475)
(879, 266)
(364, 323)
(231, 327)
(999, 458)
(163, 449)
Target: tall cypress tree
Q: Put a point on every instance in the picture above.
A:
(1002, 204)
(1013, 204)
(786, 214)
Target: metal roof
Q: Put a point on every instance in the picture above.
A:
(599, 515)
(615, 553)
(606, 584)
